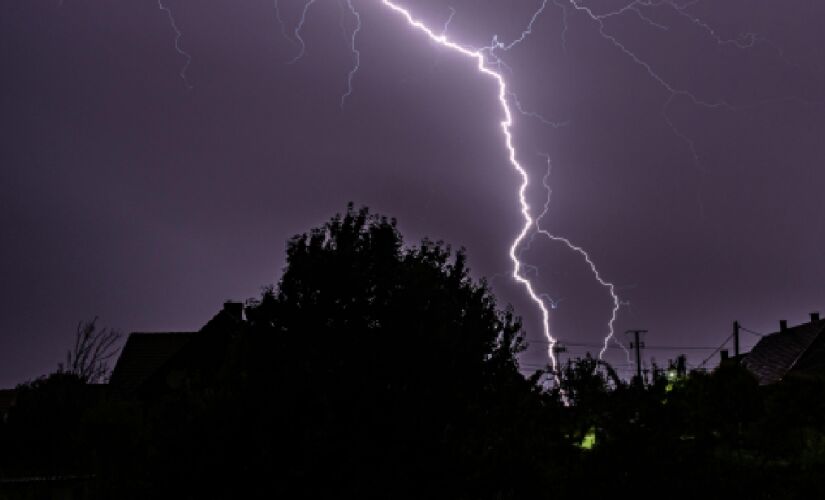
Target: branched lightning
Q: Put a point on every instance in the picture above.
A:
(276, 5)
(565, 26)
(178, 36)
(506, 47)
(298, 30)
(489, 63)
(533, 114)
(744, 41)
(478, 55)
(497, 45)
(524, 34)
(673, 90)
(553, 301)
(648, 20)
(610, 287)
(356, 53)
(448, 21)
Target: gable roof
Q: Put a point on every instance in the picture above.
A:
(148, 356)
(143, 355)
(778, 353)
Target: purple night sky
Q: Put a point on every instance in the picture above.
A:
(127, 195)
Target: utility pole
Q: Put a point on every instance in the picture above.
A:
(736, 339)
(559, 348)
(638, 345)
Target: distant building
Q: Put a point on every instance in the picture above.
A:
(799, 349)
(151, 363)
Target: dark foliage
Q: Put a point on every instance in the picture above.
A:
(376, 370)
(393, 358)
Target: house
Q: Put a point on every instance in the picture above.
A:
(143, 355)
(153, 362)
(799, 349)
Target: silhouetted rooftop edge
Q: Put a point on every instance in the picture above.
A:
(777, 354)
(143, 355)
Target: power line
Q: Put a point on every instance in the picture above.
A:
(624, 366)
(703, 363)
(538, 365)
(655, 347)
(752, 332)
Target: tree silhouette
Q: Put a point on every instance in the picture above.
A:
(395, 358)
(93, 348)
(351, 284)
(373, 369)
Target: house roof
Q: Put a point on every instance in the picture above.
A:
(146, 354)
(143, 355)
(777, 354)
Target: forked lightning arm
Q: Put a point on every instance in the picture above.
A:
(298, 30)
(178, 36)
(593, 269)
(506, 124)
(355, 52)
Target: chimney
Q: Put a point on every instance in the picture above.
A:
(724, 355)
(783, 325)
(814, 317)
(233, 309)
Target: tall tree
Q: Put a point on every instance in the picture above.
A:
(396, 358)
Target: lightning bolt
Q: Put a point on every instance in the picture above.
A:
(672, 90)
(565, 26)
(448, 21)
(610, 287)
(533, 114)
(648, 20)
(478, 55)
(744, 41)
(356, 53)
(554, 302)
(276, 5)
(524, 34)
(298, 30)
(178, 36)
(489, 63)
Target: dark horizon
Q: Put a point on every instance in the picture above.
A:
(129, 196)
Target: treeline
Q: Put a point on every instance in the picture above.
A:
(375, 370)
